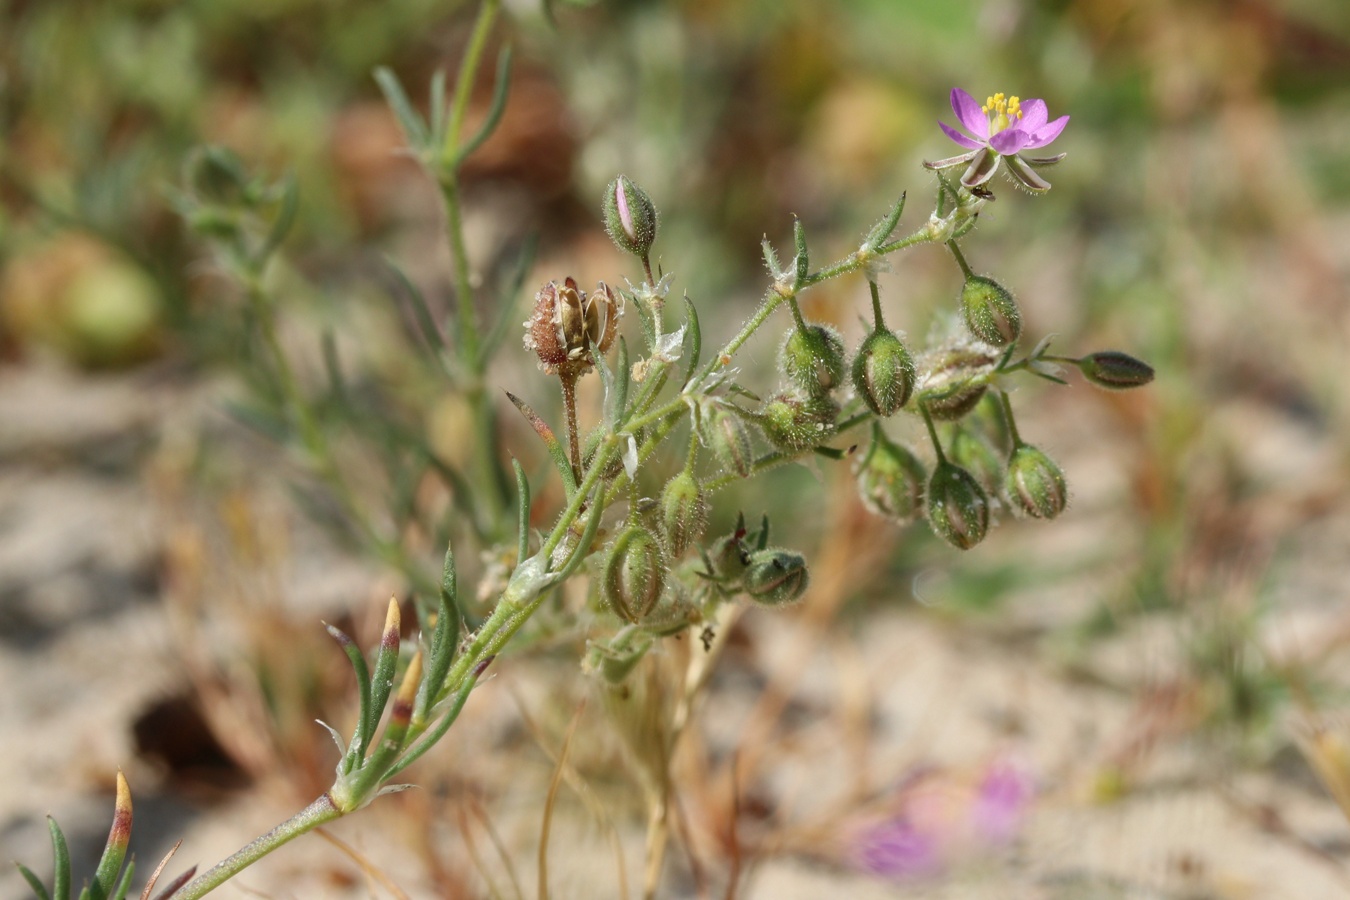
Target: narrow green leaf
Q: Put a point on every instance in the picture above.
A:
(115, 849)
(426, 323)
(337, 385)
(414, 129)
(583, 548)
(365, 721)
(882, 230)
(522, 511)
(34, 883)
(60, 861)
(382, 682)
(648, 326)
(444, 641)
(771, 259)
(763, 539)
(551, 443)
(124, 883)
(494, 116)
(438, 109)
(803, 260)
(622, 378)
(290, 205)
(693, 341)
(510, 298)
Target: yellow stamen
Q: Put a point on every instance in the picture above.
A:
(1002, 110)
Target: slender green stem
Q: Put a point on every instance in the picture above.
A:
(932, 434)
(876, 305)
(468, 69)
(960, 259)
(1012, 422)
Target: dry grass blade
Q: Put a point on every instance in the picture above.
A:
(551, 799)
(372, 872)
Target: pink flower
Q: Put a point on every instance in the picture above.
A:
(998, 132)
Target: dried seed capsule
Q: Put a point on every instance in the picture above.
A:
(684, 513)
(798, 423)
(813, 358)
(722, 429)
(567, 327)
(891, 479)
(776, 577)
(883, 372)
(958, 508)
(635, 573)
(1114, 370)
(1035, 483)
(953, 379)
(991, 312)
(630, 217)
(974, 454)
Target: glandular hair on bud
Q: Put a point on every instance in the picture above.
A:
(952, 379)
(958, 508)
(635, 574)
(630, 217)
(812, 358)
(793, 422)
(684, 512)
(990, 311)
(1035, 483)
(1115, 371)
(724, 432)
(775, 576)
(883, 372)
(891, 479)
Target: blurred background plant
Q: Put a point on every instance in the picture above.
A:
(1189, 596)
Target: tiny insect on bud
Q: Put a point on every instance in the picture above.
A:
(812, 358)
(1114, 370)
(891, 479)
(798, 423)
(958, 508)
(776, 577)
(990, 311)
(1035, 484)
(883, 372)
(725, 433)
(953, 379)
(684, 513)
(635, 573)
(630, 217)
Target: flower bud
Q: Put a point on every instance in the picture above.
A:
(813, 358)
(798, 423)
(630, 217)
(1035, 483)
(721, 428)
(974, 454)
(958, 508)
(684, 513)
(1114, 370)
(635, 573)
(953, 379)
(776, 577)
(991, 312)
(883, 372)
(891, 479)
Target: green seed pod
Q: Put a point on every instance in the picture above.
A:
(635, 573)
(1114, 370)
(724, 432)
(954, 378)
(974, 454)
(684, 513)
(776, 577)
(813, 359)
(798, 423)
(958, 508)
(630, 217)
(883, 372)
(891, 479)
(1035, 483)
(991, 312)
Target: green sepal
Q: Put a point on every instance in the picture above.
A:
(883, 229)
(365, 721)
(692, 346)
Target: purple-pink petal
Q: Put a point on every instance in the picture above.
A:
(967, 142)
(1046, 134)
(1009, 140)
(970, 114)
(1034, 115)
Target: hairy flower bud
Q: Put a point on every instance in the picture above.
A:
(684, 513)
(776, 577)
(635, 573)
(798, 423)
(958, 508)
(883, 372)
(974, 454)
(1035, 483)
(567, 326)
(812, 358)
(722, 430)
(891, 479)
(991, 312)
(1114, 370)
(952, 379)
(630, 217)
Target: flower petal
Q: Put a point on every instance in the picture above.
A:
(944, 163)
(970, 114)
(967, 142)
(982, 168)
(1034, 115)
(1028, 179)
(1046, 134)
(1009, 140)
